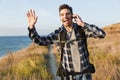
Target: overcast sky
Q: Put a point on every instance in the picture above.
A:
(13, 21)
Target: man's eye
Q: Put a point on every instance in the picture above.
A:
(61, 14)
(68, 13)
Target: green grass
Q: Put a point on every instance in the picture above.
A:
(30, 66)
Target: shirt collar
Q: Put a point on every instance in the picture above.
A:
(74, 27)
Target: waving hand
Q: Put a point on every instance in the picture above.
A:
(32, 18)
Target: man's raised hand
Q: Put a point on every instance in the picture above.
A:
(32, 18)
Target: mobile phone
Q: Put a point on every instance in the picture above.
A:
(74, 19)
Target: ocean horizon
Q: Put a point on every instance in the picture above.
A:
(13, 43)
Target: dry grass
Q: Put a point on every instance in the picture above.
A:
(26, 64)
(105, 55)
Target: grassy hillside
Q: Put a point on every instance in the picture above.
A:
(105, 54)
(27, 64)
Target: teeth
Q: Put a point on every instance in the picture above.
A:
(66, 21)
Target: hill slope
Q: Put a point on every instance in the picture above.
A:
(111, 43)
(114, 28)
(105, 54)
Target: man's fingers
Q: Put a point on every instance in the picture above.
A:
(34, 15)
(75, 15)
(30, 12)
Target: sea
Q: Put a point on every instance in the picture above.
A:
(13, 43)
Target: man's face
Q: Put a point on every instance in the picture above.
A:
(66, 17)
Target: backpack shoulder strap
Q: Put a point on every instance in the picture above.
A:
(62, 35)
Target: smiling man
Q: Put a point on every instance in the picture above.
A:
(71, 42)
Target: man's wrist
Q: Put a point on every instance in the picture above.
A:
(82, 24)
(31, 29)
(31, 26)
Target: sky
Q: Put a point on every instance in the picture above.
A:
(13, 20)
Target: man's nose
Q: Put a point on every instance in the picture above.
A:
(65, 16)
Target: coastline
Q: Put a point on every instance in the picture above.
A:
(13, 44)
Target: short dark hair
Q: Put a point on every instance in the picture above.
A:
(65, 6)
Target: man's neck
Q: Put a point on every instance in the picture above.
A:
(69, 28)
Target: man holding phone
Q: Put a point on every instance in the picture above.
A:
(75, 55)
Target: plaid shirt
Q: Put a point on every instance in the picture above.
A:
(89, 30)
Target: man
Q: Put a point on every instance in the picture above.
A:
(75, 55)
